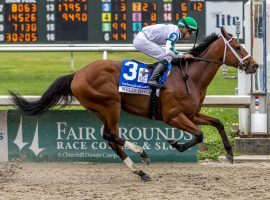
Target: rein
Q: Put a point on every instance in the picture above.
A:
(208, 60)
(185, 76)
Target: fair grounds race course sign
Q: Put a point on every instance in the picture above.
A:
(75, 136)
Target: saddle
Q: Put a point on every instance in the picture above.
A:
(181, 63)
(134, 77)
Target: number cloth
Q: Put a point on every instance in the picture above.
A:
(134, 76)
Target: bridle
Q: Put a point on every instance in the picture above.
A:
(241, 60)
(241, 65)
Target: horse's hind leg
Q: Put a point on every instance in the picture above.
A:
(111, 135)
(104, 102)
(120, 152)
(111, 118)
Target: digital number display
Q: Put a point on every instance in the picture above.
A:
(71, 20)
(187, 8)
(90, 21)
(20, 22)
(114, 20)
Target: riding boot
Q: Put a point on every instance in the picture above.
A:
(157, 72)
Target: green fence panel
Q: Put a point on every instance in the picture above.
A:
(76, 136)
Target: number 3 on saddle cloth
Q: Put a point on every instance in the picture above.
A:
(134, 76)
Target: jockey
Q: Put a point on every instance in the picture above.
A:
(151, 37)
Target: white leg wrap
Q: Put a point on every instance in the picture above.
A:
(133, 147)
(130, 165)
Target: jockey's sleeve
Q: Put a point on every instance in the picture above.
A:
(170, 46)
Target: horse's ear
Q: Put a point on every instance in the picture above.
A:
(224, 32)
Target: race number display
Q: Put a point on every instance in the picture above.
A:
(91, 21)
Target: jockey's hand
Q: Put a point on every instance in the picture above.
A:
(187, 56)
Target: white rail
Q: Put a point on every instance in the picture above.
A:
(105, 48)
(228, 101)
(77, 47)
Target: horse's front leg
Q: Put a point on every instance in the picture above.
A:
(201, 119)
(182, 122)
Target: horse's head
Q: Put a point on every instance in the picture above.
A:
(235, 55)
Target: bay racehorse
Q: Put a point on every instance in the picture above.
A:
(96, 87)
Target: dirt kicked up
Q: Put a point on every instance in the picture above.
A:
(203, 180)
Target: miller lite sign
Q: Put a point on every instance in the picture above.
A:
(224, 13)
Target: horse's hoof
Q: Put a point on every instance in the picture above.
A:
(146, 161)
(145, 158)
(146, 178)
(229, 157)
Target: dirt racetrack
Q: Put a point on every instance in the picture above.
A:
(204, 180)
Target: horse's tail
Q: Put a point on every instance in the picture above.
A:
(59, 90)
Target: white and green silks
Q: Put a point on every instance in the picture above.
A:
(151, 39)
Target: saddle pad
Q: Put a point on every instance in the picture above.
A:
(134, 76)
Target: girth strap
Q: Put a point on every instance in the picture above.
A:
(153, 104)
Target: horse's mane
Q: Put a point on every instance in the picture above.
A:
(203, 44)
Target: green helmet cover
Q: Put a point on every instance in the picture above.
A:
(189, 23)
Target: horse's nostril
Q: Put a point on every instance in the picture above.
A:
(255, 66)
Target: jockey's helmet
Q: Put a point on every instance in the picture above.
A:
(189, 23)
